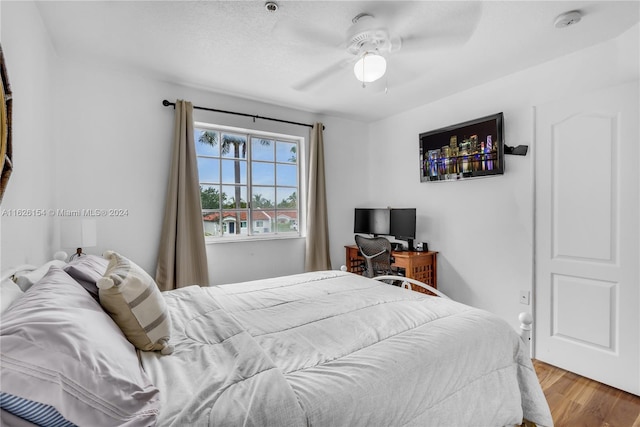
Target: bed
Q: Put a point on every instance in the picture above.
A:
(328, 348)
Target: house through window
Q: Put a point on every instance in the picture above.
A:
(249, 182)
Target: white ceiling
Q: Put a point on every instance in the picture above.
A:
(238, 48)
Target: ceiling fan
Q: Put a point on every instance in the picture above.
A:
(368, 42)
(397, 33)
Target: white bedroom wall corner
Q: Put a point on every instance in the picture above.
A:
(449, 213)
(462, 254)
(115, 155)
(130, 130)
(346, 146)
(31, 66)
(628, 54)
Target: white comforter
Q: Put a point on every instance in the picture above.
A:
(336, 349)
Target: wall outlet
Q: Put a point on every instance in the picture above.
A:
(524, 297)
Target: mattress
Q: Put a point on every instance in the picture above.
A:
(333, 348)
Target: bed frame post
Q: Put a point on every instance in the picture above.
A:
(526, 320)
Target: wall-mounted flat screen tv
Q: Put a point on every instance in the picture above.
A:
(467, 150)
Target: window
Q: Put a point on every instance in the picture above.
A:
(249, 182)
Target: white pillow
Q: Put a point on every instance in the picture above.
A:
(26, 280)
(60, 349)
(9, 292)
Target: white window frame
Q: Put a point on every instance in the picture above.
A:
(301, 191)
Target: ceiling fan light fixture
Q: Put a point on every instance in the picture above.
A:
(370, 67)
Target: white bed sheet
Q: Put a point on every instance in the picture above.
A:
(336, 349)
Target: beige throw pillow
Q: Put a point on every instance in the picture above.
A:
(133, 300)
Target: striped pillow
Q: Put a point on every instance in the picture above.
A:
(34, 412)
(132, 298)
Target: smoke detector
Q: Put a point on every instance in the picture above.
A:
(567, 19)
(271, 6)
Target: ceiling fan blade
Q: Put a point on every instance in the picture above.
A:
(428, 25)
(395, 43)
(438, 16)
(396, 15)
(291, 34)
(322, 75)
(401, 73)
(432, 41)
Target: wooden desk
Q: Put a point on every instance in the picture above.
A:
(420, 266)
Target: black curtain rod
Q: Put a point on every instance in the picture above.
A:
(167, 103)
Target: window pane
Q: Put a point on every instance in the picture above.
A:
(234, 196)
(232, 222)
(286, 152)
(287, 197)
(207, 142)
(262, 173)
(234, 171)
(262, 149)
(234, 146)
(208, 170)
(263, 197)
(286, 175)
(211, 222)
(287, 221)
(225, 189)
(262, 221)
(210, 197)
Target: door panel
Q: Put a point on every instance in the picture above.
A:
(582, 154)
(584, 310)
(587, 274)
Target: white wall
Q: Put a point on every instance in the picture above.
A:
(31, 67)
(112, 150)
(116, 151)
(112, 142)
(483, 228)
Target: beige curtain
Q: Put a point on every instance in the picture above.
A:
(182, 259)
(317, 245)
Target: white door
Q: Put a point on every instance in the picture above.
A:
(587, 274)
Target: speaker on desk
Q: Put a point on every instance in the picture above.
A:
(422, 247)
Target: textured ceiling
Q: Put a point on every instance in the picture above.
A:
(296, 57)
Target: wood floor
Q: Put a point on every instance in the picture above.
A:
(576, 401)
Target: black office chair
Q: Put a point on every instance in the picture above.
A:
(376, 252)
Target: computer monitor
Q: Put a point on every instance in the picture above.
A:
(402, 225)
(373, 221)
